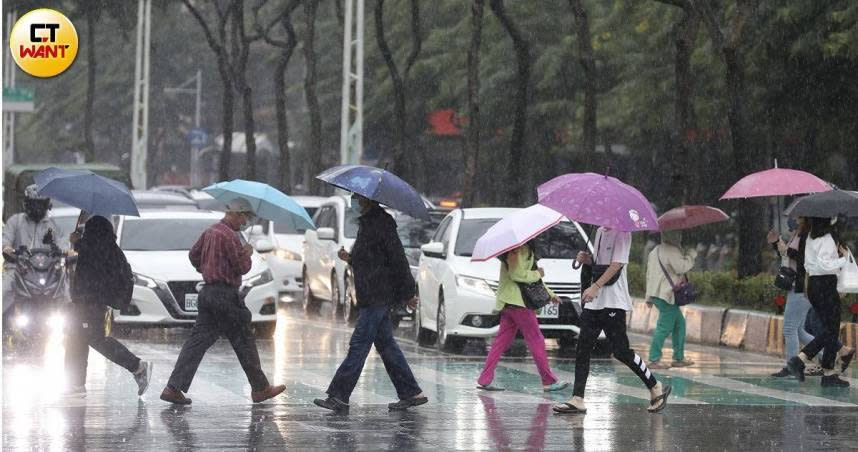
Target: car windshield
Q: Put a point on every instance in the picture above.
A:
(171, 234)
(414, 232)
(469, 232)
(288, 229)
(351, 224)
(560, 242)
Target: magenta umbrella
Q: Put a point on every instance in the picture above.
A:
(514, 230)
(687, 217)
(599, 200)
(776, 182)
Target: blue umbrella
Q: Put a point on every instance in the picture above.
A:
(267, 202)
(378, 185)
(87, 191)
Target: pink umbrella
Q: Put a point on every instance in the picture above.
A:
(776, 182)
(514, 230)
(599, 200)
(686, 217)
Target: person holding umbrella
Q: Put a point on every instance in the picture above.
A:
(382, 279)
(221, 258)
(618, 209)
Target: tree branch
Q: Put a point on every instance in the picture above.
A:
(416, 39)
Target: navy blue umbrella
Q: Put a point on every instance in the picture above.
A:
(378, 185)
(87, 191)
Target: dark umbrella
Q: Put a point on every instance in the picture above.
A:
(378, 185)
(825, 204)
(87, 191)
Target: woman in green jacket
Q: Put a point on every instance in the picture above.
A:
(517, 267)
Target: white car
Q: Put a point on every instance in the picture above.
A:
(286, 259)
(457, 296)
(166, 285)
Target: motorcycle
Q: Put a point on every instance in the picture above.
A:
(39, 294)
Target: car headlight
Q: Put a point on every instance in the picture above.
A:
(144, 281)
(287, 255)
(258, 280)
(475, 284)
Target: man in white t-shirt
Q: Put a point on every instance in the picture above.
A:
(605, 305)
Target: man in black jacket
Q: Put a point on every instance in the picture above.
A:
(382, 278)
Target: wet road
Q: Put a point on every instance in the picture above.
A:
(726, 402)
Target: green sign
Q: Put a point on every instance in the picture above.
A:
(18, 99)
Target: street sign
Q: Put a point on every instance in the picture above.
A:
(197, 137)
(18, 100)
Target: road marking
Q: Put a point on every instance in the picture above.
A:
(468, 385)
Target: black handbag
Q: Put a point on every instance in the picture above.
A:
(591, 273)
(535, 295)
(785, 279)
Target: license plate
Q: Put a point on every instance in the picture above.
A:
(549, 311)
(191, 301)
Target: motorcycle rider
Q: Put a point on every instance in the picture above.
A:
(30, 229)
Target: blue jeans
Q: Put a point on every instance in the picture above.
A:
(373, 327)
(795, 313)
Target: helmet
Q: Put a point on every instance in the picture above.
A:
(35, 205)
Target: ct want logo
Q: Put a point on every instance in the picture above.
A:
(43, 43)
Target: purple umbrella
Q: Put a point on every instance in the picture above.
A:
(599, 200)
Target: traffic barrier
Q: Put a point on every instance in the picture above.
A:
(776, 335)
(733, 330)
(757, 332)
(703, 323)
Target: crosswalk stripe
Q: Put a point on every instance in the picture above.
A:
(470, 385)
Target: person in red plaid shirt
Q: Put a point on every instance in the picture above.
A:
(222, 260)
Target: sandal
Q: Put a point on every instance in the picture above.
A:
(405, 404)
(489, 388)
(661, 401)
(567, 408)
(554, 387)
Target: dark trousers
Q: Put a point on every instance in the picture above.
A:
(823, 296)
(613, 321)
(87, 330)
(813, 325)
(373, 327)
(221, 311)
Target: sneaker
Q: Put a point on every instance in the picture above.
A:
(783, 373)
(556, 386)
(682, 363)
(332, 403)
(658, 365)
(142, 377)
(845, 360)
(75, 391)
(834, 381)
(814, 370)
(405, 404)
(174, 396)
(267, 393)
(796, 367)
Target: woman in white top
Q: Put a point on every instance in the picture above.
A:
(823, 259)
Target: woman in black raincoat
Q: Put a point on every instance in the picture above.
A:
(100, 267)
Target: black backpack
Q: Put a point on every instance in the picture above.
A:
(120, 287)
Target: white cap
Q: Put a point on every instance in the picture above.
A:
(239, 205)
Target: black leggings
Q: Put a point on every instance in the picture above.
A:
(823, 296)
(613, 321)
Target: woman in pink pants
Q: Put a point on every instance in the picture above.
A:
(517, 267)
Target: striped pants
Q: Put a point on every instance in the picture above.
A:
(613, 322)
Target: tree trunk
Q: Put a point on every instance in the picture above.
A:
(241, 46)
(315, 148)
(227, 126)
(399, 162)
(91, 70)
(587, 61)
(472, 146)
(684, 33)
(516, 171)
(285, 181)
(249, 133)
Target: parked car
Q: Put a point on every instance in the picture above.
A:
(457, 296)
(414, 233)
(166, 285)
(286, 259)
(326, 277)
(153, 199)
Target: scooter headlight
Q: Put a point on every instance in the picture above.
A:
(56, 322)
(22, 321)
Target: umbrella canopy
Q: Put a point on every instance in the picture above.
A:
(776, 182)
(514, 230)
(378, 185)
(826, 204)
(266, 201)
(687, 217)
(599, 200)
(87, 191)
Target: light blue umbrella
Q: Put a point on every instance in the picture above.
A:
(266, 201)
(87, 191)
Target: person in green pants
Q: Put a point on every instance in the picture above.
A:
(676, 262)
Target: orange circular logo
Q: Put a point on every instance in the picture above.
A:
(43, 43)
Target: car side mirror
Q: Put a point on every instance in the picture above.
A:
(433, 249)
(325, 233)
(264, 246)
